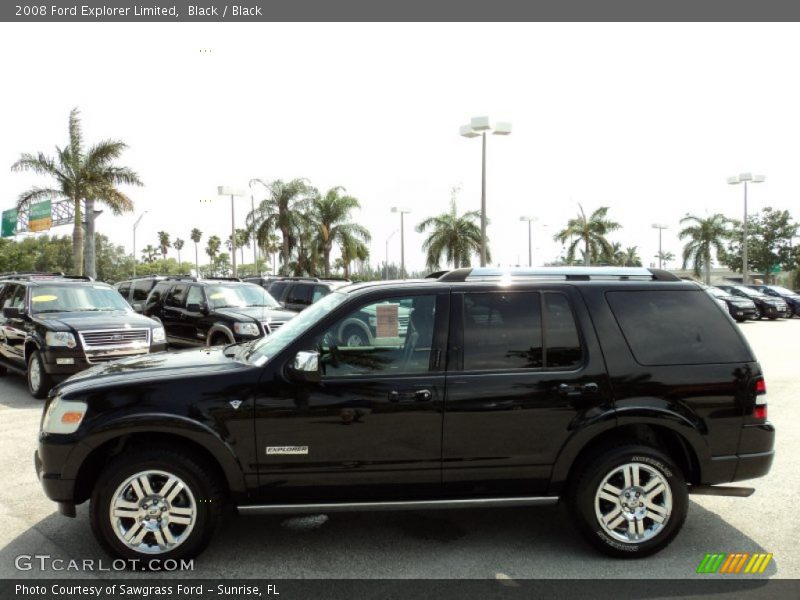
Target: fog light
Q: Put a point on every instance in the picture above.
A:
(65, 361)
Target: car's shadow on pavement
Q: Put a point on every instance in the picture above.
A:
(508, 545)
(14, 392)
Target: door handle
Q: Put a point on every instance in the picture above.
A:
(569, 391)
(410, 396)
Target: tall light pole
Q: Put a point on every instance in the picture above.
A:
(660, 229)
(386, 264)
(402, 211)
(256, 270)
(530, 238)
(478, 126)
(735, 180)
(223, 190)
(135, 225)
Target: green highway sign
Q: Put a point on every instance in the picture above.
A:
(40, 217)
(9, 227)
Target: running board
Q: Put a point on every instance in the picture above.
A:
(329, 507)
(721, 490)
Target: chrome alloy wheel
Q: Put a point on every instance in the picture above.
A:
(633, 503)
(34, 374)
(153, 512)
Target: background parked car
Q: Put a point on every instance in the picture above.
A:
(213, 312)
(791, 298)
(298, 293)
(766, 306)
(136, 290)
(738, 307)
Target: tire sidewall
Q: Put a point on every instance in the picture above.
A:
(41, 392)
(112, 479)
(594, 475)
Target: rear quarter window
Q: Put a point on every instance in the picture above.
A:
(677, 328)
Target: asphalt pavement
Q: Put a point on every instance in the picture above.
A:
(503, 544)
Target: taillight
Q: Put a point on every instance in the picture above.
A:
(760, 409)
(760, 412)
(761, 387)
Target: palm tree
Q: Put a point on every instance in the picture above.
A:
(591, 231)
(149, 253)
(664, 257)
(455, 236)
(81, 176)
(242, 240)
(178, 245)
(196, 235)
(271, 247)
(163, 243)
(280, 211)
(630, 258)
(704, 235)
(212, 249)
(352, 249)
(331, 214)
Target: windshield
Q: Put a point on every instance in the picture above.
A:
(782, 290)
(246, 294)
(749, 292)
(74, 298)
(717, 292)
(267, 347)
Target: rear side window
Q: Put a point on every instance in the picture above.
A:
(124, 288)
(177, 295)
(141, 289)
(320, 291)
(276, 289)
(677, 328)
(562, 342)
(157, 295)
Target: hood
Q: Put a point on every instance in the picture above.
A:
(150, 367)
(259, 313)
(89, 320)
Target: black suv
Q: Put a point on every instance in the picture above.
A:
(791, 298)
(766, 306)
(136, 290)
(616, 391)
(53, 326)
(738, 307)
(211, 312)
(298, 293)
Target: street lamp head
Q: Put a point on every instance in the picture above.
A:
(745, 177)
(525, 218)
(759, 178)
(224, 190)
(480, 123)
(400, 209)
(502, 128)
(659, 226)
(467, 131)
(733, 180)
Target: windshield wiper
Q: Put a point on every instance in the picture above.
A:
(52, 310)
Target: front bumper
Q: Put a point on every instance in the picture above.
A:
(61, 491)
(54, 355)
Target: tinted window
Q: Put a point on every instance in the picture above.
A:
(177, 295)
(14, 296)
(563, 346)
(276, 289)
(380, 338)
(300, 293)
(677, 328)
(124, 288)
(157, 295)
(502, 330)
(319, 292)
(195, 295)
(141, 289)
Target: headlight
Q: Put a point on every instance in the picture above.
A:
(59, 338)
(159, 335)
(246, 329)
(63, 416)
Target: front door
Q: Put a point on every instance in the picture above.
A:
(371, 428)
(523, 374)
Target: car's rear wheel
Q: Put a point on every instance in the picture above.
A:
(39, 382)
(156, 503)
(354, 337)
(630, 501)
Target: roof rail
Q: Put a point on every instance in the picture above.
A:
(221, 279)
(560, 273)
(291, 278)
(32, 276)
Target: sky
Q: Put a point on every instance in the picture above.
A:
(647, 119)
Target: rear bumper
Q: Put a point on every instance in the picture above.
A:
(754, 458)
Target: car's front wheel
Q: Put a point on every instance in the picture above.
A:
(39, 382)
(156, 503)
(630, 501)
(757, 315)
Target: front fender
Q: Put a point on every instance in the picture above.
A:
(160, 424)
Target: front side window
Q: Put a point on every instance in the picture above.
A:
(177, 295)
(195, 295)
(158, 293)
(14, 296)
(389, 337)
(247, 294)
(141, 289)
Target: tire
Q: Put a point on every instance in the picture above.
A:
(757, 316)
(194, 510)
(353, 337)
(218, 339)
(39, 382)
(655, 470)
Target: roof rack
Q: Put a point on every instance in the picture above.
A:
(560, 273)
(34, 275)
(221, 279)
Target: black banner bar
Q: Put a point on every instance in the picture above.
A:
(396, 10)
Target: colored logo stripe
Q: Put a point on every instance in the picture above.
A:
(735, 563)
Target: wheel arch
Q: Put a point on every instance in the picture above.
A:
(219, 328)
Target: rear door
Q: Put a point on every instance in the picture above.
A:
(524, 368)
(173, 313)
(14, 328)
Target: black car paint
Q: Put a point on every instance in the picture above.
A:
(792, 300)
(769, 307)
(477, 434)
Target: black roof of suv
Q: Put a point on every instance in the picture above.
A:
(55, 325)
(618, 391)
(200, 312)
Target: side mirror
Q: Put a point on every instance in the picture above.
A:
(13, 313)
(306, 367)
(201, 308)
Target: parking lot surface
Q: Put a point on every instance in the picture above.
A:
(518, 543)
